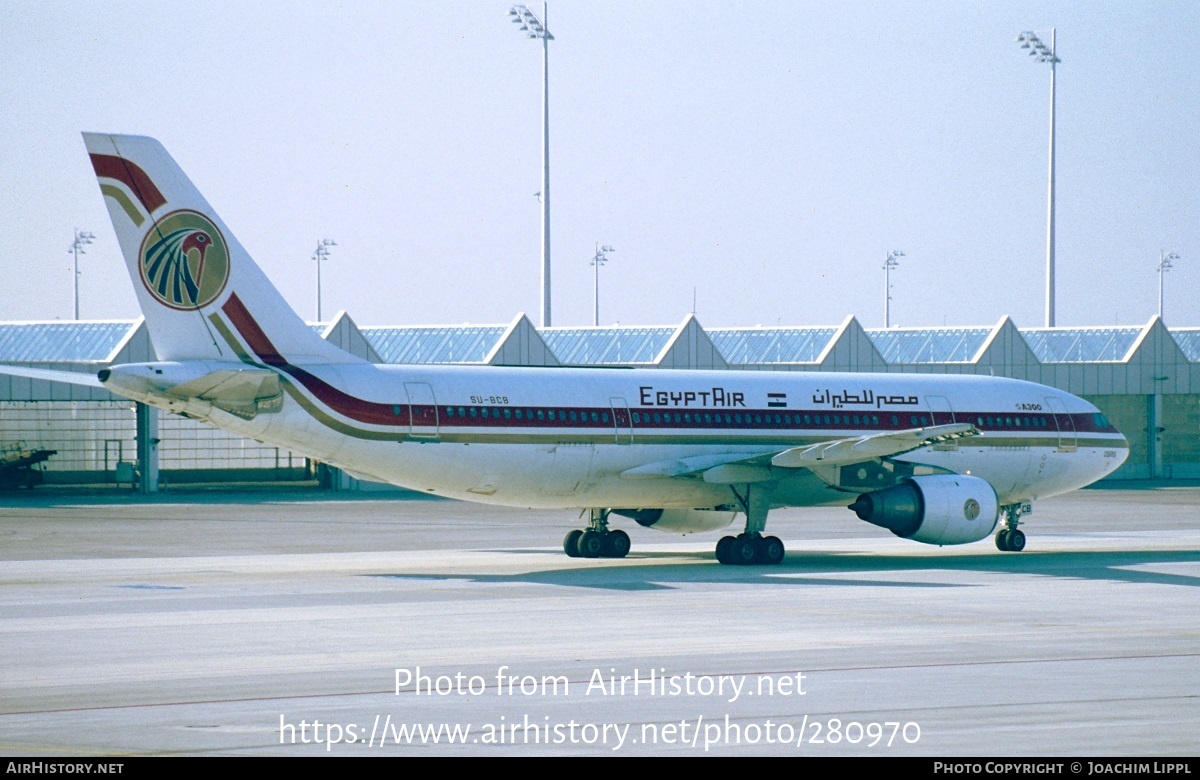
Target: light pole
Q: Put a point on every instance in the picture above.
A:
(892, 261)
(82, 239)
(599, 259)
(320, 254)
(1039, 51)
(1164, 264)
(534, 27)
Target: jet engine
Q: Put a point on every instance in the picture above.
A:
(936, 509)
(679, 521)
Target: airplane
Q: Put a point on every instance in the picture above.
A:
(938, 459)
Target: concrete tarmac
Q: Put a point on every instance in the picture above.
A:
(294, 623)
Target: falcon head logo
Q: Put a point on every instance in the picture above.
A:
(184, 261)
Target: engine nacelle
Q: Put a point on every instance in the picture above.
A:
(679, 521)
(936, 509)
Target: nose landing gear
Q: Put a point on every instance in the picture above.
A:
(1010, 538)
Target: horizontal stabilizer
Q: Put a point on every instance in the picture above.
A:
(233, 385)
(879, 445)
(243, 391)
(66, 377)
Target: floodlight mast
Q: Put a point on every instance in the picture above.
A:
(537, 29)
(82, 239)
(892, 261)
(321, 253)
(599, 259)
(1165, 263)
(1042, 53)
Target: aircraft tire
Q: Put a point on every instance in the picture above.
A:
(723, 547)
(744, 550)
(771, 550)
(1016, 540)
(1002, 540)
(571, 543)
(616, 544)
(591, 544)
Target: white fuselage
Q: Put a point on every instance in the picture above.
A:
(549, 437)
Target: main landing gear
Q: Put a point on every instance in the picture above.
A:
(597, 541)
(1010, 538)
(751, 548)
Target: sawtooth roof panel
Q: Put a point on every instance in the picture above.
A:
(929, 345)
(1188, 340)
(466, 344)
(770, 345)
(1080, 345)
(60, 342)
(606, 346)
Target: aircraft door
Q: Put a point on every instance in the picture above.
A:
(1066, 426)
(422, 410)
(622, 421)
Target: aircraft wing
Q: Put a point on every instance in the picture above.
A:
(740, 468)
(841, 452)
(68, 377)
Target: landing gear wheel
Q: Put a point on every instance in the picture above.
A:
(571, 543)
(724, 548)
(616, 544)
(1016, 540)
(771, 550)
(1002, 540)
(744, 550)
(591, 544)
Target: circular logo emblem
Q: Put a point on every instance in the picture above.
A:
(184, 260)
(971, 509)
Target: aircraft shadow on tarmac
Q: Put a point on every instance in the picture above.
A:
(800, 568)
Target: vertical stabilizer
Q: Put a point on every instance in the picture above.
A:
(202, 295)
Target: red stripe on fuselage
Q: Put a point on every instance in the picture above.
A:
(368, 412)
(373, 413)
(131, 176)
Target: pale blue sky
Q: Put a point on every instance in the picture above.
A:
(768, 154)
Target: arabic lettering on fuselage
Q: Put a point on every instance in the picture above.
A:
(863, 398)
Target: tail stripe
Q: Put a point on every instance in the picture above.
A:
(357, 409)
(133, 177)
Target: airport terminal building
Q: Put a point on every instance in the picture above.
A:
(1145, 379)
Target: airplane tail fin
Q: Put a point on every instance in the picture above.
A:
(203, 296)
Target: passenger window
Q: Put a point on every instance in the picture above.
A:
(541, 414)
(474, 412)
(449, 410)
